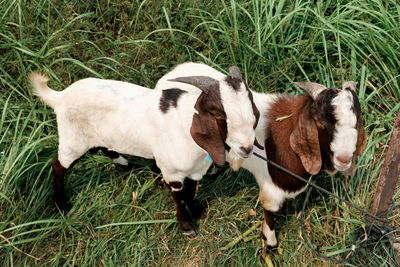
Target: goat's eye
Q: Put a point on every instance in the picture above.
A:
(217, 115)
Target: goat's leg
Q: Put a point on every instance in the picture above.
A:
(271, 209)
(185, 222)
(193, 205)
(58, 177)
(270, 218)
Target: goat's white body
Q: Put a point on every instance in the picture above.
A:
(126, 118)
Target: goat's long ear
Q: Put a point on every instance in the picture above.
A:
(350, 85)
(305, 143)
(313, 89)
(207, 133)
(361, 139)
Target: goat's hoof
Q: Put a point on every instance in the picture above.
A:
(188, 228)
(126, 168)
(272, 248)
(190, 233)
(161, 184)
(269, 248)
(64, 206)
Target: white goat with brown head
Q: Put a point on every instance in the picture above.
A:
(179, 129)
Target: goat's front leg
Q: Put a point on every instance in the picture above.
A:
(180, 195)
(58, 177)
(271, 209)
(193, 205)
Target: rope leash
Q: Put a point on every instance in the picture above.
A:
(373, 230)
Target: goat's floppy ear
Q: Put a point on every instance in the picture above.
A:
(206, 131)
(305, 143)
(361, 139)
(313, 89)
(204, 83)
(350, 85)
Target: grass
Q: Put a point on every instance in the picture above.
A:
(122, 218)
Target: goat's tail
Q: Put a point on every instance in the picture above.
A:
(40, 89)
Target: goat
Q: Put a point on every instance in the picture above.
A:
(301, 133)
(179, 129)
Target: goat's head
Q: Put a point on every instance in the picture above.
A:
(226, 115)
(332, 126)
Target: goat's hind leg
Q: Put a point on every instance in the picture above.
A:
(66, 159)
(58, 178)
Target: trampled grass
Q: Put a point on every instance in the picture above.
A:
(122, 218)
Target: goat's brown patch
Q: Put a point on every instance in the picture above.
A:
(169, 97)
(208, 128)
(277, 144)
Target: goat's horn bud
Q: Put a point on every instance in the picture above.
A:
(313, 89)
(350, 84)
(202, 82)
(235, 72)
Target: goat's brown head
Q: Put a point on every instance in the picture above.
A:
(225, 116)
(330, 129)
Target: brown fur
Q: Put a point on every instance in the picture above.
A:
(278, 141)
(209, 125)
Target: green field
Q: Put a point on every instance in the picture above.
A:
(122, 218)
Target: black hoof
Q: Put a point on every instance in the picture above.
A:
(161, 184)
(64, 206)
(190, 233)
(188, 228)
(272, 248)
(126, 168)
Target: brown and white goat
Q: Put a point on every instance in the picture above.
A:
(304, 134)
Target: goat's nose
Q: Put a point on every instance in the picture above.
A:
(343, 160)
(246, 149)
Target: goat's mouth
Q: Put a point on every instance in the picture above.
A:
(243, 153)
(341, 166)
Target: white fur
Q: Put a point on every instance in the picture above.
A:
(269, 235)
(345, 136)
(126, 118)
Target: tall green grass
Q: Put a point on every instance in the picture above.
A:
(122, 218)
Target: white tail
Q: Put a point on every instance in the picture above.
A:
(40, 89)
